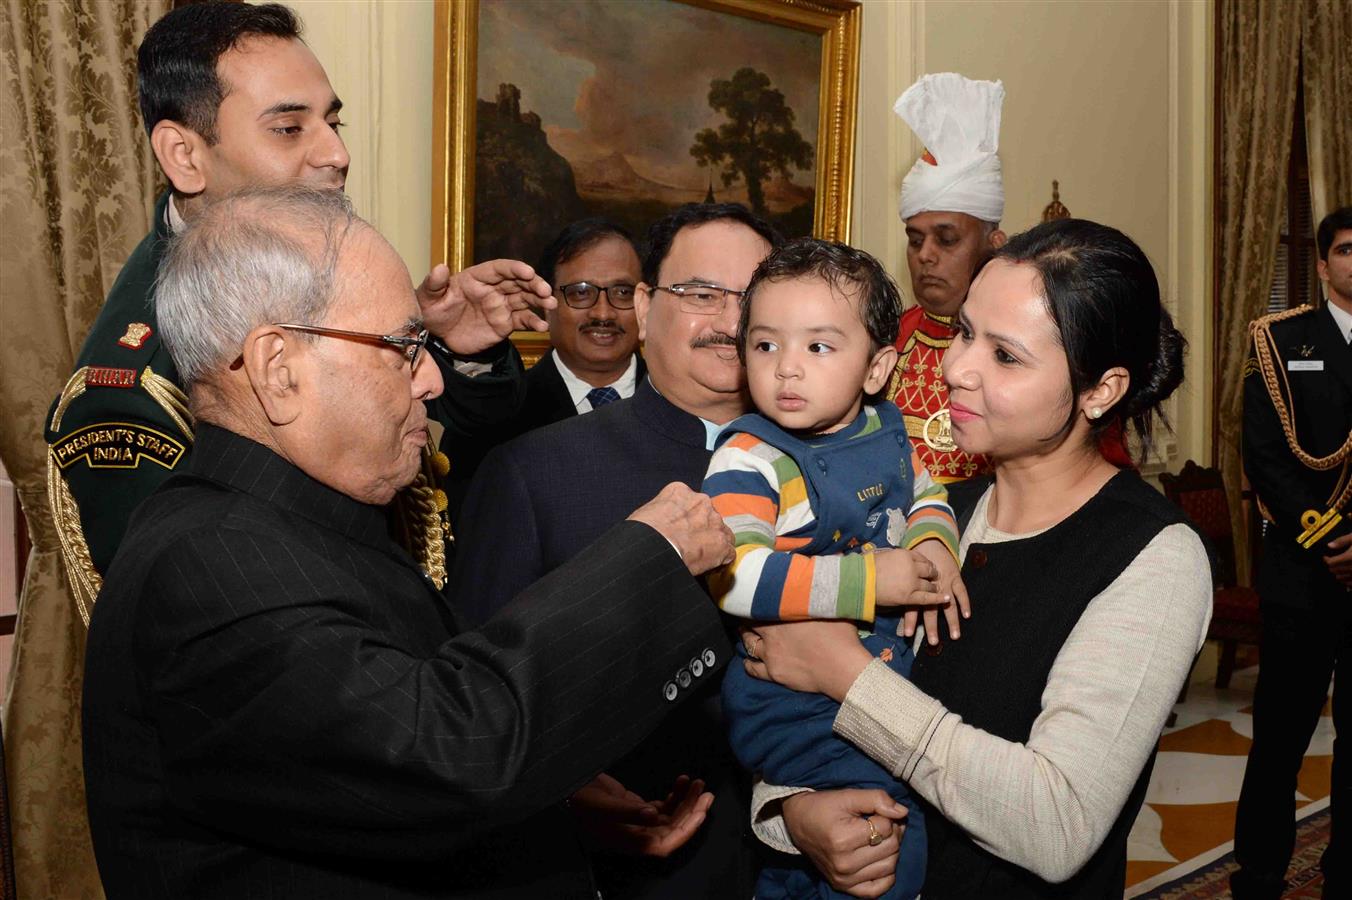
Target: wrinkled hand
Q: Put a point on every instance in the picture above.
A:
(949, 582)
(473, 310)
(813, 656)
(829, 827)
(615, 819)
(688, 521)
(1340, 564)
(905, 577)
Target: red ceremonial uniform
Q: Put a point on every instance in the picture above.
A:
(918, 389)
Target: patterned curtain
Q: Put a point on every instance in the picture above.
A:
(1259, 47)
(1326, 38)
(77, 184)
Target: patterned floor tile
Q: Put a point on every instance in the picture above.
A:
(1189, 814)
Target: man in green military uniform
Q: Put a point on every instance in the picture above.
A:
(1298, 457)
(231, 97)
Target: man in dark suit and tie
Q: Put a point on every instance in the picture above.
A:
(1298, 457)
(279, 703)
(540, 498)
(594, 268)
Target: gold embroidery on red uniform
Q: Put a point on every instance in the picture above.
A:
(918, 389)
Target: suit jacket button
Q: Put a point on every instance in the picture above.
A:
(669, 690)
(696, 667)
(977, 558)
(683, 678)
(709, 657)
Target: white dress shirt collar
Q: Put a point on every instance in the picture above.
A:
(1342, 318)
(577, 388)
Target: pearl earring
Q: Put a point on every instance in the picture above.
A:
(1095, 413)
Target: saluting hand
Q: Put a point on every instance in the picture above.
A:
(474, 309)
(688, 520)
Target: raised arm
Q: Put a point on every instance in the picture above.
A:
(341, 741)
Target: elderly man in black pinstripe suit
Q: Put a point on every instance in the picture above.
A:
(277, 701)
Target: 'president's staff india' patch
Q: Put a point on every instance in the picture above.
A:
(117, 445)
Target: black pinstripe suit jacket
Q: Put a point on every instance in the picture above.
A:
(278, 704)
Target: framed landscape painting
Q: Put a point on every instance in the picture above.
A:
(548, 111)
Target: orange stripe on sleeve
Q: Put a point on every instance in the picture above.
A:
(763, 508)
(743, 441)
(793, 602)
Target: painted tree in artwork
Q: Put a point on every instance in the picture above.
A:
(757, 139)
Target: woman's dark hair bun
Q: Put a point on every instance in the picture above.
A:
(1104, 297)
(1164, 375)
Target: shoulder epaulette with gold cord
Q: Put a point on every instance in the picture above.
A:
(75, 386)
(160, 389)
(171, 399)
(419, 517)
(1316, 524)
(85, 581)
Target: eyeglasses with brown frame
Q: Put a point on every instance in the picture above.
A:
(412, 347)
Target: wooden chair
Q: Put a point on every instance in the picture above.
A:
(1235, 620)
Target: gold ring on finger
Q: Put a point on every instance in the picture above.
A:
(874, 838)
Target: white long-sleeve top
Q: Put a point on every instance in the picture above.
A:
(1045, 805)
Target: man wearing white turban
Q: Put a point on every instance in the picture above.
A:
(951, 201)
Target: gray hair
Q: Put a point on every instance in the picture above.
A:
(255, 257)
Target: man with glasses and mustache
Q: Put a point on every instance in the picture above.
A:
(595, 269)
(279, 703)
(536, 501)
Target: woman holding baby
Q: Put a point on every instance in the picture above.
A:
(1030, 740)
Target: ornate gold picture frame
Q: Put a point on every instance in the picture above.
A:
(622, 109)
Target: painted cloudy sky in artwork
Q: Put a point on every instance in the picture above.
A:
(633, 75)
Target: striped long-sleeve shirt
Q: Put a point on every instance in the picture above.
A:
(762, 494)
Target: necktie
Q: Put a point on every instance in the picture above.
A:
(599, 397)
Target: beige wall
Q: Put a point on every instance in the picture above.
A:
(378, 54)
(1111, 97)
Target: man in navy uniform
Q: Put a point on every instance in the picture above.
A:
(232, 97)
(1298, 457)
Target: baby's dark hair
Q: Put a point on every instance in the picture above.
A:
(1103, 295)
(846, 270)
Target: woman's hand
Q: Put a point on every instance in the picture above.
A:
(816, 657)
(836, 829)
